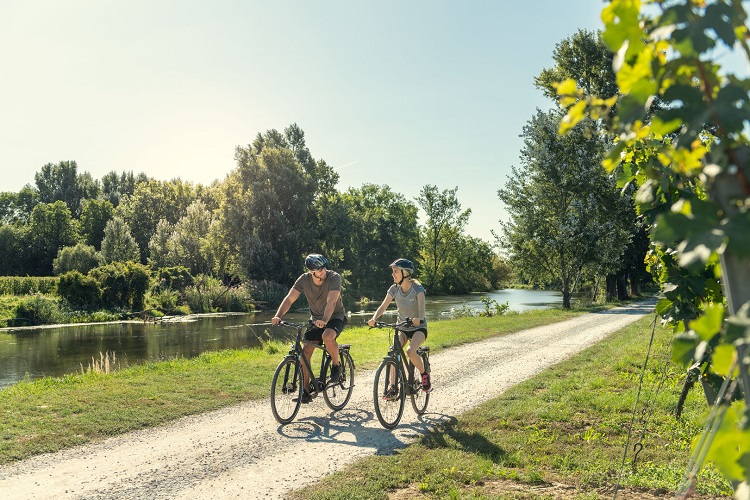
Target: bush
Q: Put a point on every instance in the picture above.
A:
(176, 278)
(211, 295)
(162, 300)
(82, 258)
(267, 294)
(39, 309)
(79, 290)
(123, 284)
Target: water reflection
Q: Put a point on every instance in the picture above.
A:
(63, 350)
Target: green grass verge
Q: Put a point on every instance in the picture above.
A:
(50, 414)
(563, 431)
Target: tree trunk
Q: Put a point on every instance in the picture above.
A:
(611, 287)
(622, 286)
(566, 295)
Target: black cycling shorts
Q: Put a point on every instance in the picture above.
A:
(410, 334)
(316, 334)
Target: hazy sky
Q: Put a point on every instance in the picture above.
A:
(404, 93)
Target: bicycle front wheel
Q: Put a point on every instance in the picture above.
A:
(286, 390)
(419, 398)
(389, 393)
(338, 394)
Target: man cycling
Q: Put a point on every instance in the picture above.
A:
(322, 288)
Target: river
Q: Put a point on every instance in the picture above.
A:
(61, 350)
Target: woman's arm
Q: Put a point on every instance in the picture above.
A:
(383, 306)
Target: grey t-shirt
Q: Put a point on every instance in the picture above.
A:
(317, 296)
(407, 304)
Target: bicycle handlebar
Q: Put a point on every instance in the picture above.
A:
(293, 325)
(380, 324)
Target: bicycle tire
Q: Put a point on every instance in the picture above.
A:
(338, 395)
(285, 387)
(389, 411)
(419, 398)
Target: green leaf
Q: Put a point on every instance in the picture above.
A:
(709, 323)
(718, 17)
(721, 359)
(684, 347)
(738, 326)
(729, 446)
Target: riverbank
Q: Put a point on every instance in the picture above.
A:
(51, 414)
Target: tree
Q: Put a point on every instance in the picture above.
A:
(15, 208)
(365, 229)
(118, 244)
(188, 244)
(12, 244)
(51, 228)
(445, 222)
(586, 59)
(81, 257)
(152, 201)
(62, 182)
(94, 217)
(561, 205)
(115, 188)
(158, 246)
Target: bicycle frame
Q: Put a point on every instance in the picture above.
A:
(296, 351)
(396, 352)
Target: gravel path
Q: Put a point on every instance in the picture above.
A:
(242, 452)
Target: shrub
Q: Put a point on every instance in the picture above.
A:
(211, 295)
(39, 309)
(82, 258)
(176, 278)
(79, 290)
(123, 284)
(267, 294)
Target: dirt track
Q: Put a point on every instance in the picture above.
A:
(242, 452)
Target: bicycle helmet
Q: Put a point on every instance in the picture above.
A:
(315, 261)
(406, 266)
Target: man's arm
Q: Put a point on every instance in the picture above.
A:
(331, 299)
(290, 298)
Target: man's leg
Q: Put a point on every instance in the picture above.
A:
(329, 339)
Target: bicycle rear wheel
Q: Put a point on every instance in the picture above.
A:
(285, 388)
(389, 408)
(337, 395)
(419, 398)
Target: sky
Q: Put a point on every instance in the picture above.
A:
(398, 93)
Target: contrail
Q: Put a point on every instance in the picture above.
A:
(352, 163)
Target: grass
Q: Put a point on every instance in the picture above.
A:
(49, 414)
(562, 431)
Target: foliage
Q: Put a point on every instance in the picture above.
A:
(689, 161)
(123, 284)
(79, 291)
(211, 295)
(118, 244)
(362, 231)
(12, 248)
(51, 228)
(187, 245)
(176, 278)
(150, 202)
(94, 218)
(267, 294)
(81, 257)
(445, 223)
(27, 285)
(39, 309)
(565, 212)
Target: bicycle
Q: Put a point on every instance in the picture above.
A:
(390, 407)
(287, 384)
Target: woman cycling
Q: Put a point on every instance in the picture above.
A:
(409, 296)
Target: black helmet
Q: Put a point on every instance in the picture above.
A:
(315, 261)
(404, 265)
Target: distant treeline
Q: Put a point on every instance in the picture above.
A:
(255, 225)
